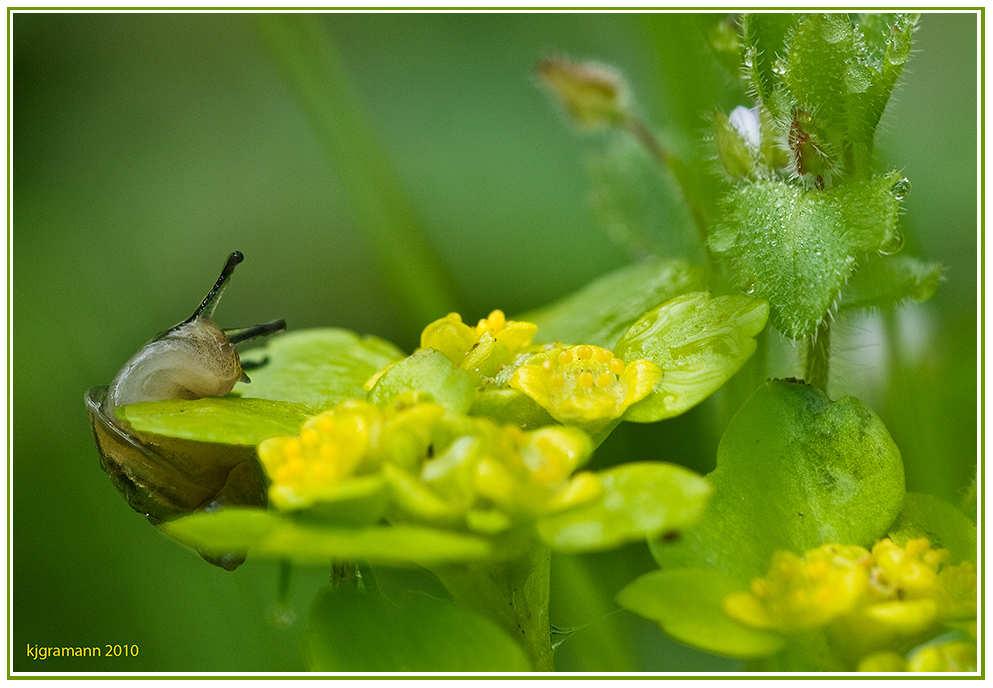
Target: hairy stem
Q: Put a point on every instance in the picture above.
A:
(818, 356)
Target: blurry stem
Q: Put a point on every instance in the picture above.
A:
(598, 642)
(647, 138)
(818, 356)
(285, 581)
(513, 593)
(304, 51)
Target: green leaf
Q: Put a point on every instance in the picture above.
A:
(318, 368)
(273, 536)
(227, 420)
(796, 248)
(351, 630)
(688, 605)
(887, 280)
(600, 312)
(883, 47)
(945, 526)
(432, 376)
(764, 35)
(821, 53)
(794, 471)
(639, 500)
(699, 341)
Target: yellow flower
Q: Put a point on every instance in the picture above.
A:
(330, 449)
(804, 592)
(870, 603)
(516, 472)
(579, 384)
(493, 343)
(954, 655)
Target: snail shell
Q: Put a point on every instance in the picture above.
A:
(164, 477)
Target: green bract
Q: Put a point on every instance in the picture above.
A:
(698, 341)
(228, 420)
(794, 470)
(268, 534)
(688, 604)
(599, 313)
(318, 368)
(639, 500)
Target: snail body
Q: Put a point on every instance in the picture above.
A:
(164, 477)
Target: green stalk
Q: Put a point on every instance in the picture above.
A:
(513, 593)
(597, 638)
(818, 356)
(305, 52)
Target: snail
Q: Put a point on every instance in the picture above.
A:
(164, 477)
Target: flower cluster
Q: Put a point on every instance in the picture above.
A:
(871, 604)
(585, 383)
(330, 449)
(439, 466)
(492, 343)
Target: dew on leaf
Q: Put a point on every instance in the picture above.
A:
(892, 245)
(901, 189)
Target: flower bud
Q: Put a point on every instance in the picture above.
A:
(594, 95)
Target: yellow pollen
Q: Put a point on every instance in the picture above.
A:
(319, 472)
(603, 356)
(556, 380)
(495, 321)
(584, 352)
(616, 366)
(309, 438)
(603, 380)
(585, 379)
(566, 357)
(326, 424)
(327, 451)
(548, 364)
(291, 448)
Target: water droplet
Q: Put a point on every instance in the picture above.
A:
(901, 189)
(894, 244)
(779, 67)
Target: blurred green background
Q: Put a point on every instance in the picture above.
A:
(147, 147)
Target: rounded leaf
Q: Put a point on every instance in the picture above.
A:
(794, 471)
(688, 605)
(639, 500)
(699, 341)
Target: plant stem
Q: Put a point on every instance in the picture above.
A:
(818, 356)
(513, 593)
(304, 50)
